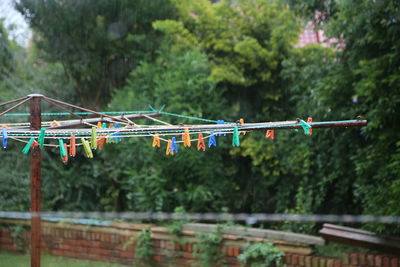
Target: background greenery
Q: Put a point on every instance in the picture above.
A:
(224, 60)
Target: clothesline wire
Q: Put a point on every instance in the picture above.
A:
(115, 113)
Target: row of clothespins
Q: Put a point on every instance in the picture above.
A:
(172, 146)
(96, 141)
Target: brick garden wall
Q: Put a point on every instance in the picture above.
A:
(114, 243)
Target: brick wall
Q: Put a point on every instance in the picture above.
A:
(347, 260)
(113, 243)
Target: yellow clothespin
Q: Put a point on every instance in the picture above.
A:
(55, 123)
(156, 141)
(241, 121)
(186, 138)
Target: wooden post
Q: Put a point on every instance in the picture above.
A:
(36, 195)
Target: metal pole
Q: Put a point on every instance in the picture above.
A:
(36, 195)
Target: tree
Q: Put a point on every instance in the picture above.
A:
(246, 40)
(97, 42)
(371, 58)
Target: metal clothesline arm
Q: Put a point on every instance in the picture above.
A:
(15, 106)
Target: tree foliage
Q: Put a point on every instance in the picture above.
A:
(97, 42)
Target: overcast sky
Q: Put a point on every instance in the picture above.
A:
(21, 33)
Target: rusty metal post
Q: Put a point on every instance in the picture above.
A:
(36, 195)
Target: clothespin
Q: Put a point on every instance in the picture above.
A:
(100, 142)
(200, 142)
(241, 121)
(109, 139)
(72, 146)
(309, 120)
(99, 125)
(168, 150)
(41, 137)
(93, 143)
(306, 127)
(186, 138)
(174, 145)
(115, 137)
(221, 122)
(65, 159)
(104, 125)
(156, 141)
(235, 137)
(270, 134)
(86, 147)
(35, 143)
(28, 146)
(55, 123)
(212, 141)
(118, 135)
(5, 137)
(63, 152)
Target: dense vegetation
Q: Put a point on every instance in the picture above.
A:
(224, 60)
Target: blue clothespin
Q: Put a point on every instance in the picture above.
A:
(212, 141)
(174, 145)
(306, 127)
(118, 134)
(116, 137)
(5, 137)
(221, 122)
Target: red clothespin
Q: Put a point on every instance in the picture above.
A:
(100, 142)
(309, 119)
(200, 142)
(270, 134)
(72, 146)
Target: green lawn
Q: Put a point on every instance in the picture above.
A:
(23, 260)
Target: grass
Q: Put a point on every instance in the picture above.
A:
(23, 260)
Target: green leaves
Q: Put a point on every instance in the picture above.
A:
(262, 255)
(98, 43)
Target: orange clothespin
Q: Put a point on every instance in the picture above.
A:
(72, 146)
(241, 121)
(55, 123)
(168, 150)
(200, 142)
(65, 158)
(270, 134)
(186, 138)
(99, 125)
(100, 142)
(156, 141)
(309, 119)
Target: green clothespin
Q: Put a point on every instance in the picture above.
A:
(63, 153)
(306, 127)
(28, 146)
(93, 143)
(235, 137)
(41, 137)
(87, 149)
